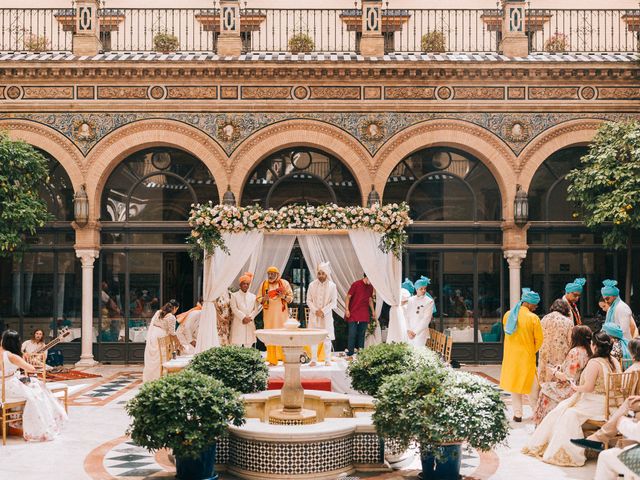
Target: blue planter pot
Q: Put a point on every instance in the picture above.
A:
(443, 464)
(201, 468)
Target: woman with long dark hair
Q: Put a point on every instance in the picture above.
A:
(43, 415)
(551, 442)
(557, 387)
(162, 324)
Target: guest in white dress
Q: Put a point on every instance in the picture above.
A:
(244, 309)
(322, 299)
(35, 343)
(43, 415)
(419, 314)
(187, 331)
(162, 324)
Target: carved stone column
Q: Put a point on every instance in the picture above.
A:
(372, 43)
(229, 41)
(515, 42)
(86, 35)
(87, 257)
(514, 258)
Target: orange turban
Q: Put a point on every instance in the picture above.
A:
(273, 269)
(246, 277)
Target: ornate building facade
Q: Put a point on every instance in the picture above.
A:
(454, 134)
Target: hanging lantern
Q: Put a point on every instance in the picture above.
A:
(81, 206)
(229, 198)
(373, 197)
(521, 207)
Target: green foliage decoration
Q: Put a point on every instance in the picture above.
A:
(165, 42)
(433, 42)
(376, 363)
(22, 170)
(240, 368)
(433, 409)
(186, 412)
(301, 43)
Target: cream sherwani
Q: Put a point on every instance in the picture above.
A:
(187, 332)
(322, 297)
(623, 317)
(419, 312)
(243, 305)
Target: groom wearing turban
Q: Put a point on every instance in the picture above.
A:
(244, 309)
(619, 312)
(522, 340)
(275, 296)
(322, 299)
(572, 293)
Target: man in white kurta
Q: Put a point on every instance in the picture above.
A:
(619, 312)
(419, 314)
(187, 332)
(322, 299)
(244, 310)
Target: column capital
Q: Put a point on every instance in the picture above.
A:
(515, 257)
(87, 256)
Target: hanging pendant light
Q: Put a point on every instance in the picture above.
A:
(81, 206)
(520, 207)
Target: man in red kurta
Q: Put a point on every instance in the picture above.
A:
(359, 307)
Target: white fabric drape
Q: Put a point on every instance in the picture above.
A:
(220, 271)
(274, 250)
(337, 250)
(384, 271)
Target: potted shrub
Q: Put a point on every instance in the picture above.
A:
(186, 412)
(165, 42)
(240, 368)
(301, 43)
(36, 43)
(433, 42)
(376, 363)
(557, 43)
(439, 413)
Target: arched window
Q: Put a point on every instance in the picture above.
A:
(58, 192)
(300, 175)
(156, 184)
(548, 190)
(444, 184)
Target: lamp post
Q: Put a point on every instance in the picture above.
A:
(520, 207)
(81, 206)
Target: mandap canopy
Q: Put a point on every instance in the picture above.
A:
(353, 239)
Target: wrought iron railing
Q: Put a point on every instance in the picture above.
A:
(32, 30)
(323, 30)
(594, 30)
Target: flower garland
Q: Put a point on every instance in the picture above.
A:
(209, 221)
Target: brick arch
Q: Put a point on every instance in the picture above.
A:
(52, 142)
(573, 133)
(465, 136)
(136, 136)
(304, 133)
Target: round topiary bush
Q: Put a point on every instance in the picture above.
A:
(376, 363)
(187, 412)
(240, 368)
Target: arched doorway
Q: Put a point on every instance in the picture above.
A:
(456, 241)
(42, 289)
(144, 261)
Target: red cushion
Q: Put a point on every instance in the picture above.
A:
(307, 384)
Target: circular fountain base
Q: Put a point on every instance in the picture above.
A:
(300, 417)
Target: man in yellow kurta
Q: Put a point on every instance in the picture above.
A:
(275, 296)
(523, 338)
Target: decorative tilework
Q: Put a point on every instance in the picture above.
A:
(107, 390)
(368, 449)
(130, 460)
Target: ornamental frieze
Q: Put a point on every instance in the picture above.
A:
(371, 130)
(47, 93)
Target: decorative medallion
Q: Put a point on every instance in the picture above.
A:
(587, 93)
(13, 92)
(372, 130)
(157, 92)
(443, 93)
(516, 131)
(228, 130)
(300, 93)
(84, 131)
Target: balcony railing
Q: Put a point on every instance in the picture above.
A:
(322, 30)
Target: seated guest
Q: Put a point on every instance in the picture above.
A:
(35, 343)
(187, 331)
(616, 463)
(551, 441)
(43, 415)
(557, 386)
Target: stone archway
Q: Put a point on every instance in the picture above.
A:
(116, 146)
(465, 136)
(303, 133)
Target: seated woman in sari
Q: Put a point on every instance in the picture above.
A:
(558, 387)
(551, 441)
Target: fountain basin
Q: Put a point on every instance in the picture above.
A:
(291, 337)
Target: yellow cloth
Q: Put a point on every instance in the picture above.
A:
(519, 359)
(320, 348)
(274, 317)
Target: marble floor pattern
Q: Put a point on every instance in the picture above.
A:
(94, 446)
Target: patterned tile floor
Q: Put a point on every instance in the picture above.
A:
(108, 389)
